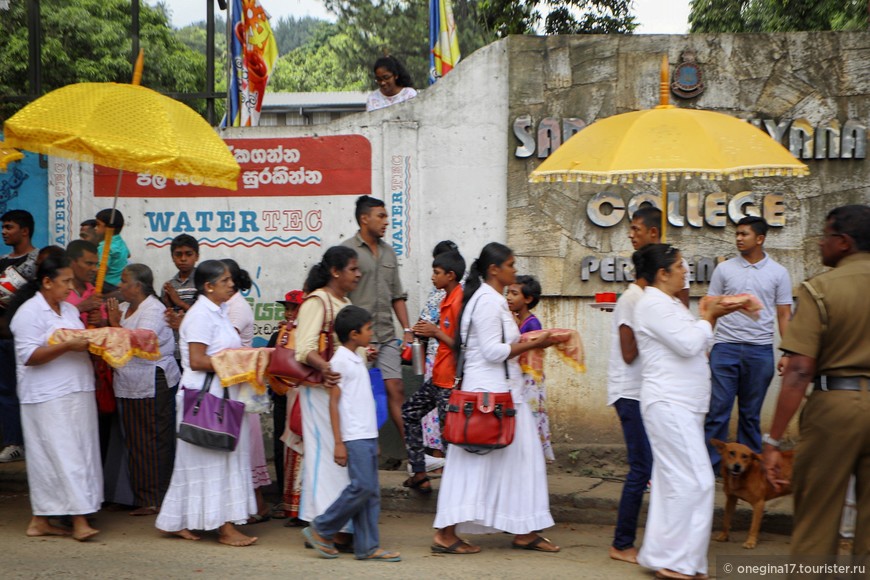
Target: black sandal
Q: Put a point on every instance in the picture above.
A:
(422, 486)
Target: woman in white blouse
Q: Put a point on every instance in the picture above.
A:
(505, 490)
(242, 317)
(674, 399)
(145, 391)
(58, 409)
(209, 489)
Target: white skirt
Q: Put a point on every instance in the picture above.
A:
(680, 516)
(322, 480)
(505, 490)
(63, 455)
(209, 488)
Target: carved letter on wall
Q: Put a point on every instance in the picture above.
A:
(522, 131)
(854, 140)
(774, 210)
(800, 139)
(693, 209)
(549, 136)
(742, 205)
(587, 266)
(714, 209)
(828, 141)
(598, 217)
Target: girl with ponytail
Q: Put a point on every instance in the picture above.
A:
(328, 284)
(505, 490)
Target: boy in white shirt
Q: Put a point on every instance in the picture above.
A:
(355, 428)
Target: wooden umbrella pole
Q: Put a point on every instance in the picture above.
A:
(664, 208)
(110, 231)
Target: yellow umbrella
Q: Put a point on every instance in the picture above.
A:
(667, 143)
(126, 127)
(8, 155)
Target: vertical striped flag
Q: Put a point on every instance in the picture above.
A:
(253, 50)
(443, 40)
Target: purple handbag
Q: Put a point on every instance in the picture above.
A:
(209, 421)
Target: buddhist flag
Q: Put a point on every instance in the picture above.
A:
(254, 51)
(443, 40)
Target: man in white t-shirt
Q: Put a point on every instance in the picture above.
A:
(623, 393)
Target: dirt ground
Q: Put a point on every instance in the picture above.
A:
(130, 547)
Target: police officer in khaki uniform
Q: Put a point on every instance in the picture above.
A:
(828, 346)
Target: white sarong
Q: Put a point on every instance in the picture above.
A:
(209, 488)
(63, 455)
(505, 490)
(680, 516)
(322, 480)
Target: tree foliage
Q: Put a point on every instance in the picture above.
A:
(90, 41)
(400, 27)
(317, 66)
(291, 33)
(777, 15)
(505, 17)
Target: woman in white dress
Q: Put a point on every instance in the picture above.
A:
(210, 489)
(394, 84)
(505, 490)
(674, 400)
(242, 317)
(144, 390)
(328, 283)
(58, 409)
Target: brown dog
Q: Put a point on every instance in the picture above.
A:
(744, 479)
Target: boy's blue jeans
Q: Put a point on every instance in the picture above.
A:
(360, 501)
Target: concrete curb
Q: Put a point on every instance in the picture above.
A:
(573, 499)
(588, 500)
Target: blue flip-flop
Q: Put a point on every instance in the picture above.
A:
(321, 547)
(382, 555)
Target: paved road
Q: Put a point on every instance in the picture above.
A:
(129, 547)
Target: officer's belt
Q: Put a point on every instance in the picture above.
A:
(826, 383)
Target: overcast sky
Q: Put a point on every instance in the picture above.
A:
(655, 16)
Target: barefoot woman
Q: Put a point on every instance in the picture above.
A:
(210, 489)
(58, 408)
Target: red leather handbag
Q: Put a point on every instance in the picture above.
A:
(478, 422)
(285, 371)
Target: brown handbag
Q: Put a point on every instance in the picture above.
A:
(285, 371)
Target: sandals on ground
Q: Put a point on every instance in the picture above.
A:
(422, 486)
(454, 548)
(535, 545)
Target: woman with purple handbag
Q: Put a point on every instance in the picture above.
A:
(210, 489)
(504, 490)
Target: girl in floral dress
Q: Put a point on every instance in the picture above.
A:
(522, 297)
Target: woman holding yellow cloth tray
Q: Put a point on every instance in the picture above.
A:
(145, 391)
(58, 409)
